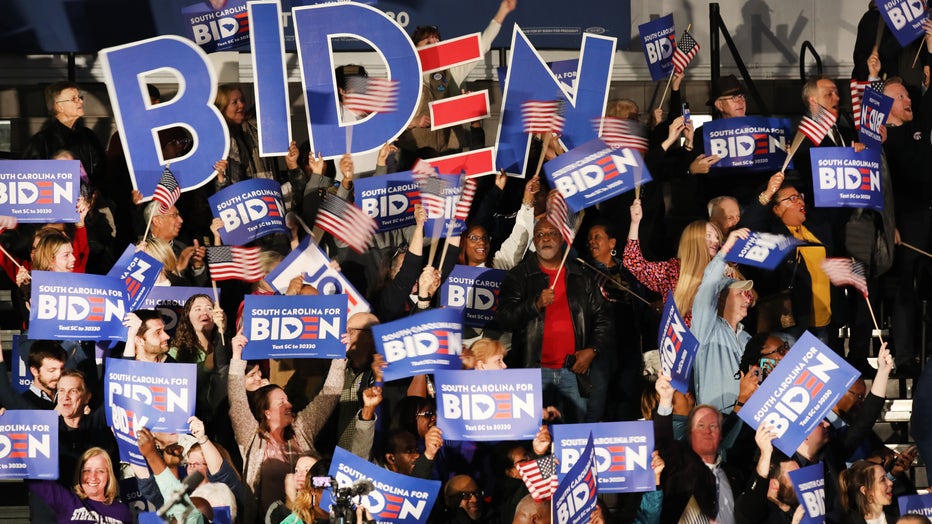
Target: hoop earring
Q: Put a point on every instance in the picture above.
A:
(614, 253)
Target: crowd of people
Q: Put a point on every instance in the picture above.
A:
(260, 434)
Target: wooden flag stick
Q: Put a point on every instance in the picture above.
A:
(213, 284)
(349, 139)
(880, 25)
(566, 253)
(673, 72)
(148, 225)
(871, 309)
(13, 260)
(434, 241)
(797, 140)
(910, 246)
(543, 152)
(443, 256)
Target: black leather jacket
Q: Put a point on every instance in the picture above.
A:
(517, 312)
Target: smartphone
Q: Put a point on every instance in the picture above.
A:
(685, 113)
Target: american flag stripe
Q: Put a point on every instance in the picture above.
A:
(542, 116)
(857, 92)
(559, 215)
(622, 133)
(432, 196)
(816, 128)
(234, 263)
(346, 222)
(846, 272)
(540, 476)
(371, 95)
(686, 49)
(465, 201)
(167, 191)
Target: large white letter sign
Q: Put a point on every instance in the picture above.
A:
(314, 27)
(125, 68)
(529, 78)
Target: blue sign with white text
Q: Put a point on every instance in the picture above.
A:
(29, 444)
(77, 306)
(809, 485)
(389, 199)
(875, 109)
(439, 222)
(162, 393)
(487, 406)
(302, 326)
(658, 38)
(40, 191)
(395, 498)
(421, 343)
(754, 143)
(595, 172)
(138, 271)
(221, 29)
(764, 250)
(575, 497)
(474, 290)
(798, 393)
(249, 210)
(915, 504)
(622, 453)
(904, 18)
(843, 178)
(678, 346)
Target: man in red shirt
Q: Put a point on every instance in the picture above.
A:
(561, 323)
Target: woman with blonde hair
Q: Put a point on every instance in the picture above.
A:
(95, 492)
(244, 161)
(699, 242)
(488, 353)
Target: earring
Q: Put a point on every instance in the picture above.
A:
(614, 253)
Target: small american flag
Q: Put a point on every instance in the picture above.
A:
(543, 116)
(422, 170)
(465, 201)
(857, 94)
(685, 51)
(371, 95)
(167, 191)
(622, 133)
(540, 476)
(560, 216)
(816, 128)
(432, 196)
(346, 222)
(234, 263)
(846, 272)
(878, 85)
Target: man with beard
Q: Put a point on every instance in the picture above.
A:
(46, 360)
(770, 498)
(147, 336)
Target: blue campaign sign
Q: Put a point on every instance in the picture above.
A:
(765, 250)
(280, 326)
(565, 72)
(915, 504)
(138, 271)
(389, 199)
(126, 416)
(192, 108)
(421, 343)
(221, 29)
(799, 392)
(169, 302)
(40, 191)
(875, 109)
(77, 306)
(575, 497)
(20, 374)
(622, 453)
(489, 405)
(755, 143)
(594, 172)
(658, 38)
(529, 78)
(315, 25)
(809, 485)
(29, 444)
(135, 499)
(904, 18)
(161, 395)
(395, 498)
(310, 261)
(843, 178)
(439, 222)
(249, 210)
(475, 291)
(678, 346)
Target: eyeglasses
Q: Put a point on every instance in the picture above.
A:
(859, 396)
(732, 98)
(479, 238)
(466, 495)
(540, 235)
(798, 197)
(426, 414)
(780, 350)
(73, 100)
(197, 465)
